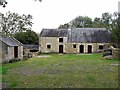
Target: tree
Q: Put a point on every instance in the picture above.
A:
(97, 23)
(81, 22)
(4, 2)
(106, 19)
(64, 26)
(27, 37)
(115, 32)
(12, 23)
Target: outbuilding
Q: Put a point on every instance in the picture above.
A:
(30, 50)
(10, 48)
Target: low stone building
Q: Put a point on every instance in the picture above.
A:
(10, 48)
(30, 50)
(78, 40)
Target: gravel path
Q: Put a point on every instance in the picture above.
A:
(41, 56)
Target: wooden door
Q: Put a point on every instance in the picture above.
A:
(60, 48)
(16, 52)
(89, 48)
(81, 47)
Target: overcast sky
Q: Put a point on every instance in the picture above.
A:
(52, 13)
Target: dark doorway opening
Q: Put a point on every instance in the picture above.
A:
(16, 52)
(60, 48)
(81, 48)
(89, 48)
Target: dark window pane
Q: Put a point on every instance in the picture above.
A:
(48, 46)
(60, 39)
(100, 46)
(74, 46)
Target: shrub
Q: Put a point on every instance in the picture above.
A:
(25, 57)
(14, 60)
(4, 62)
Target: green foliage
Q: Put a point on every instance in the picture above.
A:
(81, 22)
(97, 23)
(86, 22)
(78, 22)
(27, 37)
(115, 32)
(12, 23)
(14, 60)
(64, 26)
(0, 69)
(104, 22)
(106, 18)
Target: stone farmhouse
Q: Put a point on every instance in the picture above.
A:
(76, 40)
(10, 48)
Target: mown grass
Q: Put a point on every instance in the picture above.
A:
(62, 71)
(0, 73)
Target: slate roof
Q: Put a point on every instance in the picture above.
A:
(79, 35)
(89, 35)
(54, 33)
(10, 41)
(32, 47)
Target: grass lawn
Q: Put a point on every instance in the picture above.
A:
(62, 71)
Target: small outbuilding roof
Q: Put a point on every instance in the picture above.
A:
(31, 47)
(10, 41)
(54, 33)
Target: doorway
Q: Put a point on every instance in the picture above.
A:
(89, 48)
(81, 47)
(60, 48)
(16, 52)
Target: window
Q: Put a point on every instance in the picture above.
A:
(100, 46)
(74, 45)
(60, 39)
(33, 50)
(48, 46)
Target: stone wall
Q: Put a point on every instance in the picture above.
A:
(7, 53)
(95, 47)
(4, 53)
(68, 47)
(27, 53)
(20, 52)
(115, 53)
(10, 54)
(53, 41)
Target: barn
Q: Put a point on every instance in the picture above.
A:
(76, 40)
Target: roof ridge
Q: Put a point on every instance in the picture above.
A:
(11, 41)
(16, 40)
